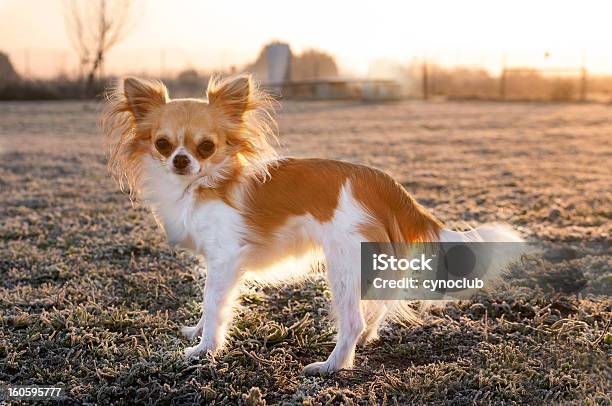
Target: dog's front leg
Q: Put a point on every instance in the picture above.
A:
(219, 292)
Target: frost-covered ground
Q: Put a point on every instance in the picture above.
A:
(92, 297)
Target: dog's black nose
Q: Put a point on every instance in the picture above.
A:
(181, 161)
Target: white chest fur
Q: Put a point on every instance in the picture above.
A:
(206, 228)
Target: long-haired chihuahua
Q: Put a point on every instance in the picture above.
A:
(208, 172)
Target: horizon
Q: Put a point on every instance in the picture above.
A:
(575, 36)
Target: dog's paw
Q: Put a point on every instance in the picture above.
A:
(318, 369)
(191, 331)
(202, 348)
(194, 352)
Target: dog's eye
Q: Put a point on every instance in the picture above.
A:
(206, 148)
(163, 146)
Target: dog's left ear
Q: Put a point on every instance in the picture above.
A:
(231, 95)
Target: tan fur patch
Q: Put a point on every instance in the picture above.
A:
(312, 186)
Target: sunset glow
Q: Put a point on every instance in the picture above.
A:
(216, 35)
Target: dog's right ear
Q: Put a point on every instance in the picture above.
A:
(143, 96)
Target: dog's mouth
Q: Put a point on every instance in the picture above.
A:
(182, 172)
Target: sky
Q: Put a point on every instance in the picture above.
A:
(168, 36)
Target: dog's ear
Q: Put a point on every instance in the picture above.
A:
(232, 96)
(143, 96)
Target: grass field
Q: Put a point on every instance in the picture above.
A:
(92, 297)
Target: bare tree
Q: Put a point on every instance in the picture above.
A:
(94, 27)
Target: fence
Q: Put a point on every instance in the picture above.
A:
(420, 79)
(523, 83)
(554, 84)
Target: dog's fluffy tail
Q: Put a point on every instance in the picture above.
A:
(506, 247)
(499, 256)
(492, 232)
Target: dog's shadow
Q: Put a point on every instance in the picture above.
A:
(402, 347)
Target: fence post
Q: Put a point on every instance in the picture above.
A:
(425, 82)
(583, 84)
(502, 85)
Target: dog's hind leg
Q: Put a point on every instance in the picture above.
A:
(343, 267)
(374, 312)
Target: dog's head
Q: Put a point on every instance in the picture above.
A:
(191, 138)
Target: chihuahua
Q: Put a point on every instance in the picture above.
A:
(207, 170)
